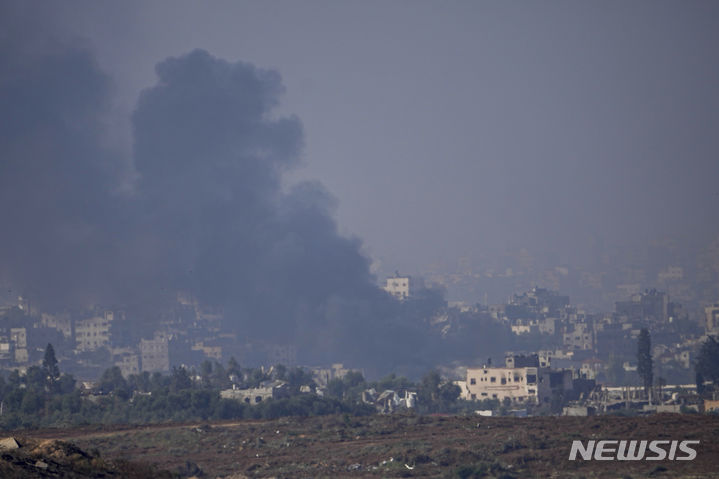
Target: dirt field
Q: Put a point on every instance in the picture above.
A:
(402, 446)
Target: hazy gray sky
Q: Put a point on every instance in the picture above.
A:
(449, 129)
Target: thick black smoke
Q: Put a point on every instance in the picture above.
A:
(58, 183)
(204, 212)
(199, 207)
(210, 155)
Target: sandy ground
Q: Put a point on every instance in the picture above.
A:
(402, 446)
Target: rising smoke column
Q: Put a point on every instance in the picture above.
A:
(59, 200)
(210, 155)
(199, 207)
(206, 212)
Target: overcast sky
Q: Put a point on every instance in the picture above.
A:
(448, 129)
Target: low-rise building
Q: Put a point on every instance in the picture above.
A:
(322, 376)
(711, 406)
(267, 390)
(389, 401)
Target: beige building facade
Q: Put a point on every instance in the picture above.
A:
(93, 333)
(712, 318)
(399, 286)
(517, 384)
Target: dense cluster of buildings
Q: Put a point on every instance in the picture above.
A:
(589, 343)
(87, 342)
(578, 350)
(590, 361)
(582, 351)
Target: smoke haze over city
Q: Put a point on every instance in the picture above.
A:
(150, 148)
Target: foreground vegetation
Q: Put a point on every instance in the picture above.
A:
(44, 397)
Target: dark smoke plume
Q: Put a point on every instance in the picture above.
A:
(198, 208)
(205, 213)
(210, 155)
(58, 183)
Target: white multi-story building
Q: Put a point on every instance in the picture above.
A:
(399, 286)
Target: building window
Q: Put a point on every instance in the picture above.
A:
(493, 379)
(473, 381)
(474, 396)
(504, 380)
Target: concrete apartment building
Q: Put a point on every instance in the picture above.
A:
(522, 380)
(579, 336)
(401, 287)
(518, 384)
(93, 333)
(155, 354)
